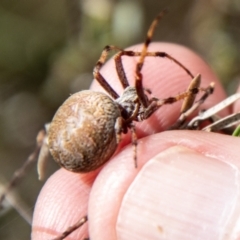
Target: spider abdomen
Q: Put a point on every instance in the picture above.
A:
(82, 136)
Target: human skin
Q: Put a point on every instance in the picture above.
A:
(186, 185)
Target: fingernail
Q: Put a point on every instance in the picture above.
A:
(182, 194)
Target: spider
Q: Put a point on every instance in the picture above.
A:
(88, 126)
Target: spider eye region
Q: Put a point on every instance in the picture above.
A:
(128, 103)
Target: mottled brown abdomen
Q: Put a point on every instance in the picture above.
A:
(81, 136)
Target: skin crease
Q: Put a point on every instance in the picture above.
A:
(66, 196)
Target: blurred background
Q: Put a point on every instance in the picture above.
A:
(48, 49)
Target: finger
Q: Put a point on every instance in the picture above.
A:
(61, 203)
(187, 185)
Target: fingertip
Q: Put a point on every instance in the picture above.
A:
(178, 189)
(62, 202)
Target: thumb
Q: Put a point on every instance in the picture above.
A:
(188, 187)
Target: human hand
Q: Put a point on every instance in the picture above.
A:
(186, 183)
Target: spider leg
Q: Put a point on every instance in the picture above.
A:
(138, 77)
(18, 174)
(98, 76)
(119, 128)
(134, 143)
(166, 55)
(14, 200)
(157, 103)
(188, 101)
(43, 155)
(184, 95)
(144, 53)
(184, 115)
(119, 67)
(72, 228)
(156, 54)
